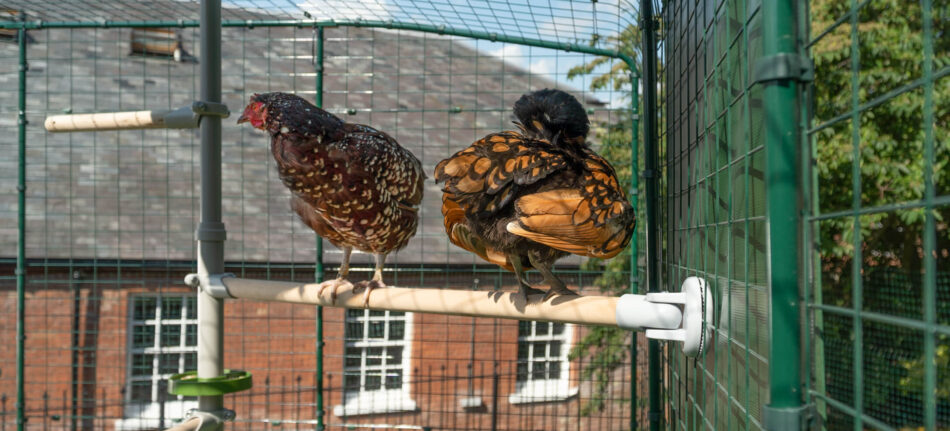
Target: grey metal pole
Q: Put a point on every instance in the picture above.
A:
(21, 237)
(211, 233)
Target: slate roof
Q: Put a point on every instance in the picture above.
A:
(133, 195)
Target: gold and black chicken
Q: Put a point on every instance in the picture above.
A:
(352, 184)
(524, 199)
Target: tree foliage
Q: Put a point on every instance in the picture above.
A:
(886, 167)
(891, 135)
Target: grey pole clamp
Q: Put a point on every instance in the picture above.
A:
(188, 117)
(211, 283)
(210, 421)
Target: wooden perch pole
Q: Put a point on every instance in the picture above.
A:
(588, 310)
(181, 118)
(106, 121)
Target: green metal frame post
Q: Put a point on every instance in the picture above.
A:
(930, 227)
(651, 174)
(318, 99)
(785, 410)
(21, 235)
(634, 200)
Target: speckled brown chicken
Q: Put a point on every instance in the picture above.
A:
(352, 184)
(525, 199)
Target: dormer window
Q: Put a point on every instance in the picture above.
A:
(158, 42)
(9, 34)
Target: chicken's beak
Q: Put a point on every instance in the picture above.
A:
(252, 114)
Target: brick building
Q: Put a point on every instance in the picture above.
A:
(110, 217)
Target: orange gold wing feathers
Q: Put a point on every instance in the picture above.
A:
(594, 219)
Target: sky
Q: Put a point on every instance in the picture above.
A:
(560, 20)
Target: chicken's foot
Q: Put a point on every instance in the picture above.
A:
(376, 282)
(340, 278)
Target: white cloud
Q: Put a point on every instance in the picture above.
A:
(510, 52)
(349, 10)
(518, 56)
(543, 66)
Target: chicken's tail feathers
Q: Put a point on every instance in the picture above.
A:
(460, 234)
(552, 114)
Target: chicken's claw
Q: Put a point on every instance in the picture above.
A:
(335, 285)
(528, 291)
(558, 291)
(367, 287)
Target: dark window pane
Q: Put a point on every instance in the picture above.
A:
(351, 381)
(374, 356)
(393, 379)
(355, 313)
(397, 330)
(376, 330)
(541, 328)
(373, 381)
(394, 355)
(143, 336)
(377, 313)
(144, 308)
(171, 308)
(141, 392)
(522, 371)
(353, 357)
(524, 328)
(142, 364)
(191, 361)
(522, 351)
(168, 363)
(555, 349)
(554, 370)
(354, 331)
(191, 307)
(539, 350)
(557, 328)
(538, 370)
(191, 335)
(397, 313)
(171, 335)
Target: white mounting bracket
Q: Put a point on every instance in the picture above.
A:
(697, 304)
(683, 316)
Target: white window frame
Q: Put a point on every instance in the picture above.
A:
(545, 390)
(363, 402)
(145, 415)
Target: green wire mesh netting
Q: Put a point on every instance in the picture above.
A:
(550, 20)
(714, 205)
(876, 241)
(877, 229)
(110, 218)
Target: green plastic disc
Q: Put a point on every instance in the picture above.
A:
(190, 385)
